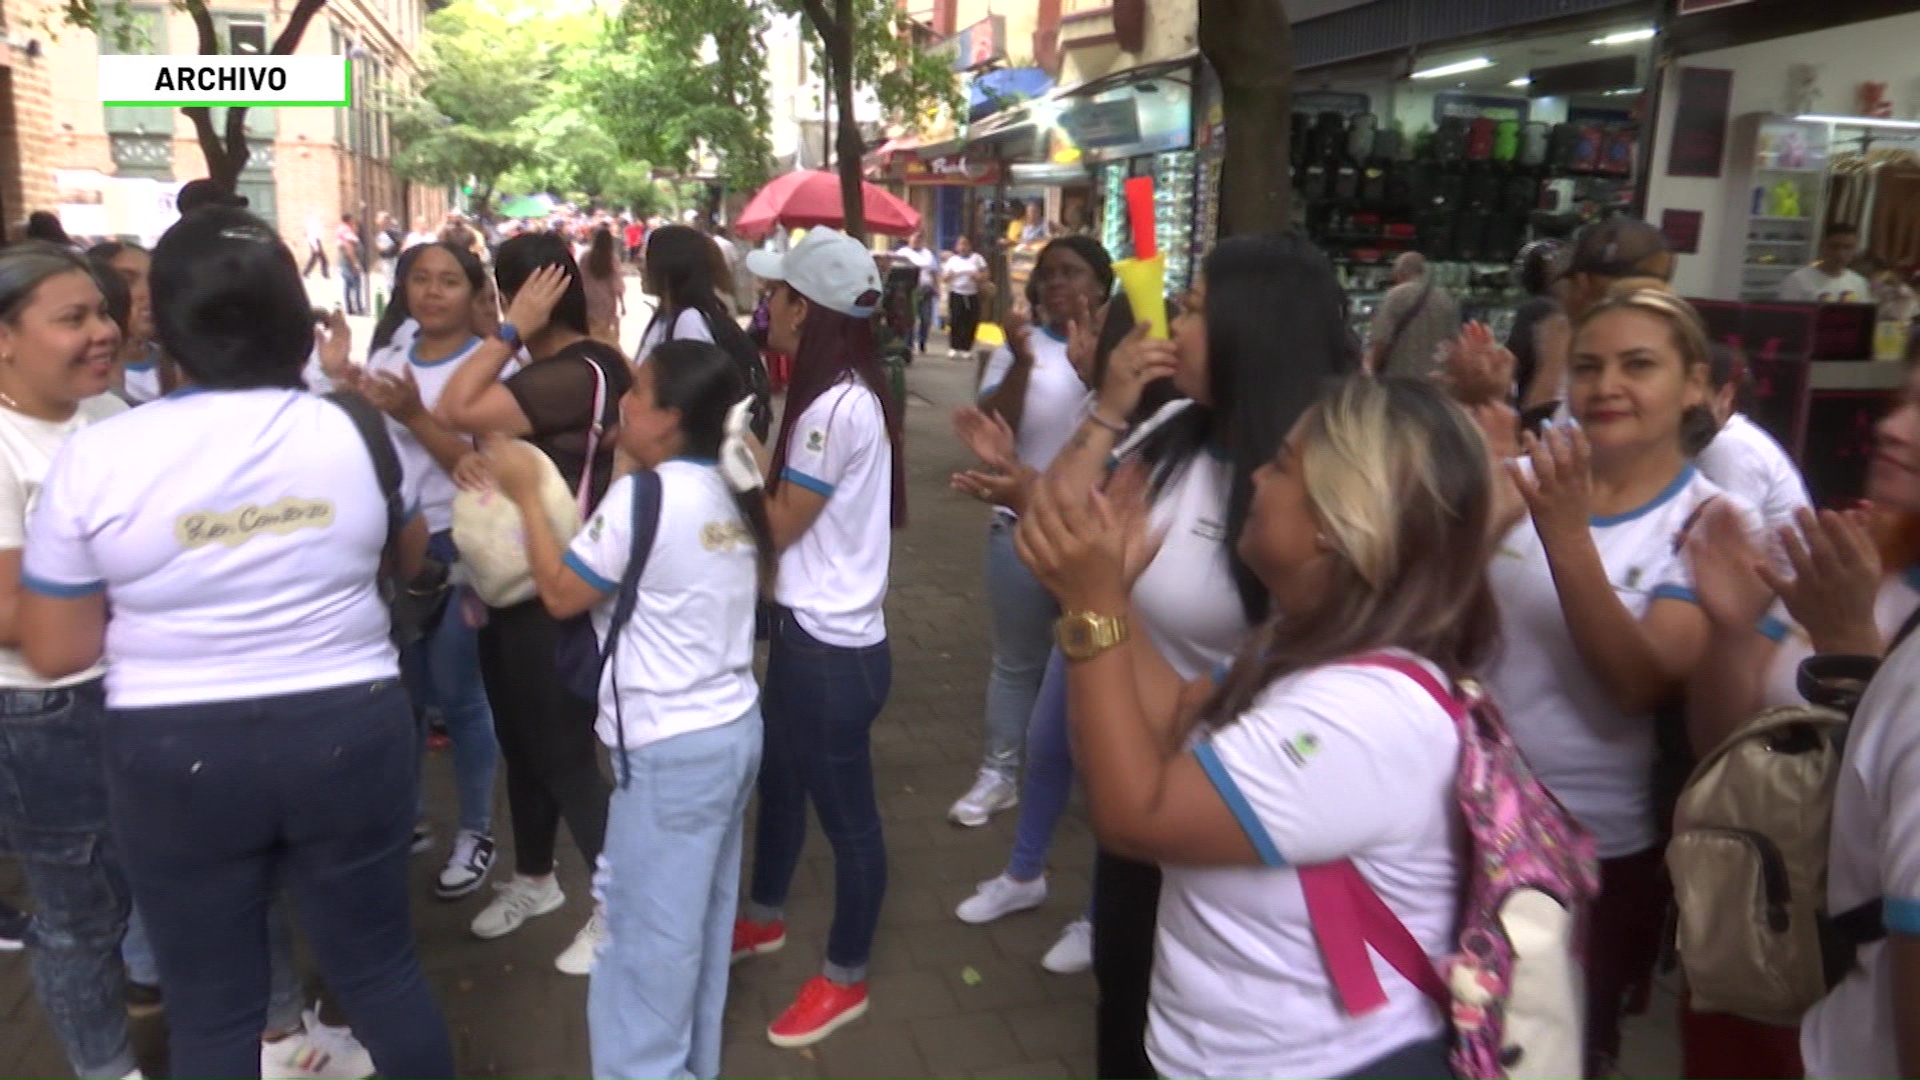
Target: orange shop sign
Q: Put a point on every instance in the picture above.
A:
(955, 169)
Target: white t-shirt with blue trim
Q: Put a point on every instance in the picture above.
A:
(1595, 758)
(437, 488)
(684, 662)
(1055, 403)
(1875, 853)
(834, 577)
(140, 379)
(1745, 460)
(1342, 762)
(237, 535)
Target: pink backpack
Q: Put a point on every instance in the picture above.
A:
(1514, 986)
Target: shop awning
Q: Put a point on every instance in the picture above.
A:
(1155, 70)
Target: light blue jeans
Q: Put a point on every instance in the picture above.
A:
(1023, 614)
(443, 670)
(1050, 772)
(286, 997)
(670, 879)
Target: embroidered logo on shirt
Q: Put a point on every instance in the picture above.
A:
(595, 527)
(1633, 577)
(816, 440)
(235, 527)
(724, 535)
(1301, 747)
(1209, 529)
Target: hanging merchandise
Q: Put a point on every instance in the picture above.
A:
(1173, 183)
(1114, 234)
(1206, 205)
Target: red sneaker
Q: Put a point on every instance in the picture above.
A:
(754, 938)
(822, 1008)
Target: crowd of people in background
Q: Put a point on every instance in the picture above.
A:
(1284, 602)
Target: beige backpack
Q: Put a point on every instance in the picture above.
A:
(1748, 858)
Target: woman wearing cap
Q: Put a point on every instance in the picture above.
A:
(834, 495)
(1604, 254)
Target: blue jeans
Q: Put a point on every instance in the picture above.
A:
(821, 702)
(53, 815)
(286, 997)
(443, 670)
(670, 879)
(925, 303)
(1049, 783)
(219, 803)
(1023, 614)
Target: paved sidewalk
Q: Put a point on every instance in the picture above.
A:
(948, 999)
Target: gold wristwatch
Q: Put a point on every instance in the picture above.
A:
(1083, 635)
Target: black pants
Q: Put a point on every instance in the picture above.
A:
(546, 739)
(963, 318)
(316, 255)
(1126, 906)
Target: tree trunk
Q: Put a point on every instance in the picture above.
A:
(848, 143)
(1250, 47)
(227, 155)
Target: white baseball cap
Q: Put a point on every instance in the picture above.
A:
(827, 267)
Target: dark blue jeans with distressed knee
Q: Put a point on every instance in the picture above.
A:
(53, 815)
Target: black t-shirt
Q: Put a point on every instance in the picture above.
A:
(1520, 338)
(557, 396)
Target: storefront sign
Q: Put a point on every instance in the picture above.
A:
(1682, 230)
(1480, 106)
(1103, 123)
(1700, 122)
(956, 170)
(983, 43)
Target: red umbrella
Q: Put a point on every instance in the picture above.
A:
(801, 200)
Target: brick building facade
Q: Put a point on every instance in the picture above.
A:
(308, 165)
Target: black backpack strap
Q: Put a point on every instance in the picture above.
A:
(646, 523)
(372, 426)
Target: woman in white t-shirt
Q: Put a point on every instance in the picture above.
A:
(680, 274)
(140, 379)
(1197, 600)
(1743, 458)
(1032, 385)
(57, 345)
(961, 272)
(1845, 595)
(439, 290)
(1601, 625)
(679, 708)
(1301, 754)
(256, 730)
(836, 492)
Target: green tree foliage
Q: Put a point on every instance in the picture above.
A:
(484, 70)
(676, 81)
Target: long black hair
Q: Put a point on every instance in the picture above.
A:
(700, 380)
(520, 256)
(835, 348)
(1275, 336)
(1090, 250)
(228, 303)
(681, 271)
(398, 309)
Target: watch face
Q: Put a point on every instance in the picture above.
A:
(1076, 636)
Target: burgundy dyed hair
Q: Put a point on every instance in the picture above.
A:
(832, 347)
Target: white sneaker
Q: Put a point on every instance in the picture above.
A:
(514, 903)
(1073, 953)
(991, 793)
(1001, 896)
(579, 957)
(318, 1053)
(467, 867)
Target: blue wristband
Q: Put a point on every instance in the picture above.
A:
(508, 333)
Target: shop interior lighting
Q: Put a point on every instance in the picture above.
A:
(1624, 37)
(1524, 80)
(1478, 63)
(1622, 93)
(1860, 121)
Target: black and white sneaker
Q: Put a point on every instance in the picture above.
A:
(13, 928)
(467, 867)
(422, 840)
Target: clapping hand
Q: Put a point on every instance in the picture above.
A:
(397, 395)
(1835, 585)
(1728, 571)
(1559, 489)
(1475, 366)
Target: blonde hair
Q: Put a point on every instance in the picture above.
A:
(1395, 473)
(1697, 424)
